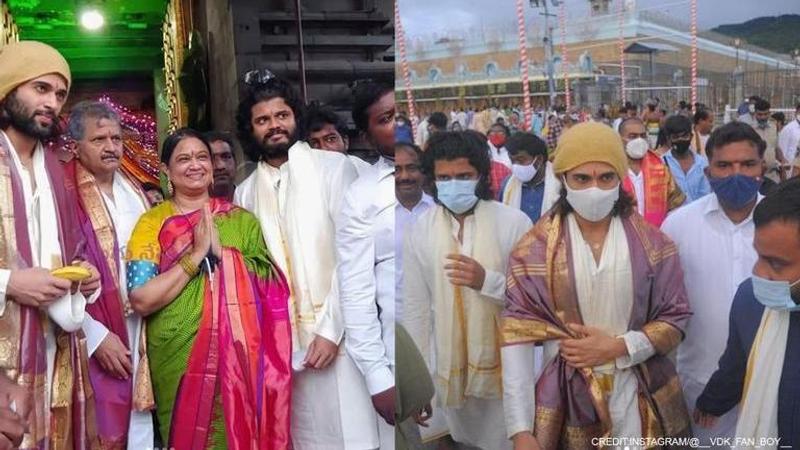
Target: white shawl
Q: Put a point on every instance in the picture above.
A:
(467, 323)
(758, 416)
(299, 232)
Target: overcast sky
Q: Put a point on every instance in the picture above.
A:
(421, 17)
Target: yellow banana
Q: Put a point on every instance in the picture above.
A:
(72, 273)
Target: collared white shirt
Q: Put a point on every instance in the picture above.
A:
(716, 256)
(638, 187)
(789, 139)
(404, 218)
(361, 166)
(365, 251)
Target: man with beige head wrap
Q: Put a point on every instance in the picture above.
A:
(41, 314)
(603, 292)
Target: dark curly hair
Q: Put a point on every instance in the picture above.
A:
(364, 96)
(317, 116)
(274, 88)
(451, 145)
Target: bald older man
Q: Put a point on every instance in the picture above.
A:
(41, 314)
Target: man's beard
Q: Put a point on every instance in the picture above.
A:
(23, 120)
(276, 151)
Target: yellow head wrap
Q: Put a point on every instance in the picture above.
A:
(590, 142)
(25, 60)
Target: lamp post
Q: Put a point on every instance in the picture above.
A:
(548, 46)
(736, 43)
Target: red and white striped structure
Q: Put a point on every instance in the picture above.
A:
(523, 64)
(693, 13)
(621, 43)
(401, 45)
(562, 22)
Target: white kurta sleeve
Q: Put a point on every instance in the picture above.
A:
(339, 180)
(640, 349)
(519, 387)
(237, 196)
(243, 195)
(5, 277)
(95, 333)
(330, 324)
(68, 311)
(355, 251)
(416, 298)
(494, 287)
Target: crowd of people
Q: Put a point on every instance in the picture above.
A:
(208, 315)
(627, 283)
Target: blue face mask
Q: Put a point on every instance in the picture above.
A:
(775, 294)
(735, 191)
(457, 195)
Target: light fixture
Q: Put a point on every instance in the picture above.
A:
(92, 19)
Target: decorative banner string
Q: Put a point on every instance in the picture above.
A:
(562, 20)
(693, 8)
(621, 44)
(401, 46)
(523, 64)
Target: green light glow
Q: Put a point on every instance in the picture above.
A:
(128, 44)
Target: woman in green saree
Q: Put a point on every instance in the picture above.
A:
(218, 333)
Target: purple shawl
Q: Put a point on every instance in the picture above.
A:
(541, 300)
(72, 421)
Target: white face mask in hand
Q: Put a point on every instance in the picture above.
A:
(593, 204)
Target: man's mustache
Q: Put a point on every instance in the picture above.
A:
(272, 133)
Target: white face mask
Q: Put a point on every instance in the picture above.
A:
(751, 108)
(524, 173)
(593, 204)
(637, 148)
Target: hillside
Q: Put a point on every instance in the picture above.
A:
(780, 34)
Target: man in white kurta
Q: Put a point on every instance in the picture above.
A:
(715, 244)
(96, 129)
(296, 193)
(453, 324)
(34, 83)
(477, 421)
(365, 249)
